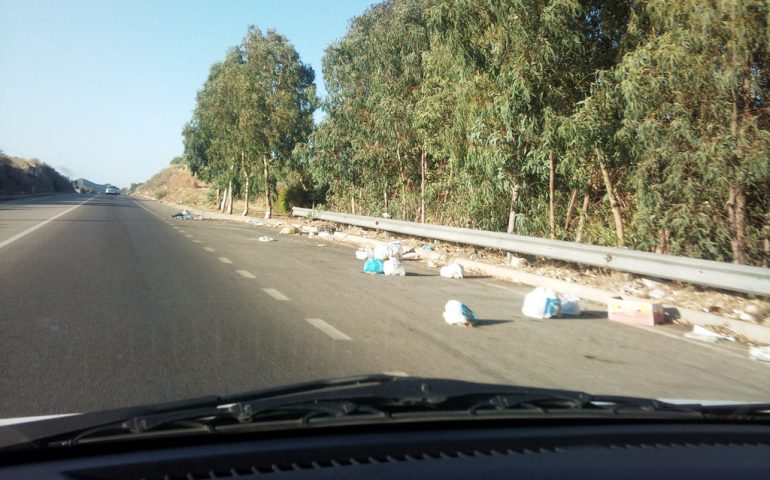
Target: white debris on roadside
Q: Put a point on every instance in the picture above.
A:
(265, 238)
(457, 313)
(257, 223)
(760, 353)
(394, 249)
(541, 303)
(363, 253)
(310, 229)
(393, 267)
(453, 270)
(288, 230)
(657, 293)
(570, 305)
(325, 235)
(380, 252)
(705, 335)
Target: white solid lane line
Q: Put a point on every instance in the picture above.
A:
(188, 235)
(275, 294)
(245, 274)
(196, 241)
(225, 260)
(208, 249)
(26, 232)
(327, 329)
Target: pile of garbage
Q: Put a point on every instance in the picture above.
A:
(186, 215)
(383, 259)
(544, 303)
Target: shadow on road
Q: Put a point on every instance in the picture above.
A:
(489, 323)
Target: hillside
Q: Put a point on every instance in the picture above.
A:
(176, 184)
(20, 176)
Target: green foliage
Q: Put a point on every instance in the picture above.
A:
(292, 195)
(160, 193)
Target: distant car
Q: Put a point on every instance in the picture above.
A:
(112, 190)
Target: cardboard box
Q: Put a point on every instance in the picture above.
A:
(637, 311)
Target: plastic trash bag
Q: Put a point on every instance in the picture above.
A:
(570, 305)
(453, 270)
(457, 313)
(541, 303)
(380, 252)
(393, 267)
(363, 253)
(760, 353)
(374, 266)
(394, 249)
(265, 238)
(705, 335)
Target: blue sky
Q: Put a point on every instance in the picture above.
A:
(101, 89)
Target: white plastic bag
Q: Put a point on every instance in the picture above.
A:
(394, 249)
(541, 303)
(363, 253)
(457, 313)
(393, 267)
(380, 252)
(570, 304)
(760, 353)
(453, 270)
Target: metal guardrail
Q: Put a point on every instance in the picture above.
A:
(726, 276)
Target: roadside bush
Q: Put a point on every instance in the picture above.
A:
(160, 193)
(291, 196)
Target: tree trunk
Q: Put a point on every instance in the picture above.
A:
(268, 199)
(230, 198)
(740, 225)
(247, 182)
(423, 170)
(385, 194)
(613, 203)
(246, 196)
(551, 200)
(570, 208)
(353, 203)
(221, 201)
(664, 237)
(583, 215)
(512, 209)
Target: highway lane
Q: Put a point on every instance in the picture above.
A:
(114, 303)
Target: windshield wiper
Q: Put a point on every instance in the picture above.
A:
(382, 398)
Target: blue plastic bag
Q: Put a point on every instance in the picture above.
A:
(374, 266)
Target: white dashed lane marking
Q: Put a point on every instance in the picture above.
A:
(208, 249)
(327, 329)
(245, 274)
(188, 236)
(225, 260)
(275, 294)
(196, 241)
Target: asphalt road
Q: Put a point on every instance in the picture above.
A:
(108, 302)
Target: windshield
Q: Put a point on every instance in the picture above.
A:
(208, 198)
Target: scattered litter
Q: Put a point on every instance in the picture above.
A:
(380, 252)
(453, 270)
(760, 353)
(363, 253)
(541, 303)
(393, 267)
(570, 304)
(257, 223)
(394, 249)
(385, 215)
(310, 235)
(325, 235)
(650, 283)
(427, 248)
(288, 230)
(265, 238)
(183, 215)
(409, 254)
(751, 308)
(432, 264)
(747, 317)
(657, 293)
(309, 229)
(705, 335)
(635, 311)
(517, 262)
(457, 313)
(374, 266)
